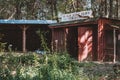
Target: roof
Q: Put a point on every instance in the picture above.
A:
(88, 21)
(27, 21)
(74, 23)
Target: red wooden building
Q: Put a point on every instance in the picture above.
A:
(89, 39)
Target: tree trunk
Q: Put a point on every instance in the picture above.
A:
(18, 10)
(117, 9)
(105, 7)
(111, 8)
(52, 9)
(56, 11)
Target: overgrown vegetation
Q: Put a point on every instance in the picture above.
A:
(42, 35)
(2, 45)
(32, 66)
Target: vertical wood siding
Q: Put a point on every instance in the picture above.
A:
(102, 40)
(85, 43)
(58, 39)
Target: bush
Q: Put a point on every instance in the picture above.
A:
(2, 47)
(31, 66)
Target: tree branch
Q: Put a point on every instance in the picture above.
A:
(12, 15)
(2, 10)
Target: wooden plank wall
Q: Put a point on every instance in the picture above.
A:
(58, 39)
(101, 38)
(85, 38)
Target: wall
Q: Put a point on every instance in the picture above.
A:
(58, 40)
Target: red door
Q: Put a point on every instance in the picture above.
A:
(85, 43)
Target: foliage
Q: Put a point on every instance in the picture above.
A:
(2, 46)
(49, 9)
(106, 8)
(42, 35)
(24, 9)
(31, 66)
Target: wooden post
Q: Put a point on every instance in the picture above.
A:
(52, 42)
(65, 36)
(24, 28)
(114, 42)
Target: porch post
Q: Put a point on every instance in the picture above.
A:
(24, 28)
(114, 42)
(52, 42)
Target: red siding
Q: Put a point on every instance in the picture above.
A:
(92, 39)
(101, 38)
(58, 39)
(84, 43)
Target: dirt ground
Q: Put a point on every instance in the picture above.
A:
(105, 70)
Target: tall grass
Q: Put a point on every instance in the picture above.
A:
(32, 66)
(36, 67)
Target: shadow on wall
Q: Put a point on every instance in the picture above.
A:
(85, 43)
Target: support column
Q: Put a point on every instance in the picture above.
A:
(52, 42)
(114, 42)
(24, 28)
(100, 39)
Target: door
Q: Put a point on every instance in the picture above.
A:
(85, 43)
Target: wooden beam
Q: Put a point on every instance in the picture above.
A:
(115, 26)
(114, 41)
(24, 28)
(52, 42)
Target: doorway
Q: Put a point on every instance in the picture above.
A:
(72, 41)
(118, 45)
(12, 37)
(109, 46)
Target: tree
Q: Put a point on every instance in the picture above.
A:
(24, 9)
(49, 9)
(106, 8)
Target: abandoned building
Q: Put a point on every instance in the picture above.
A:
(88, 39)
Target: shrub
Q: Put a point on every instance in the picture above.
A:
(31, 66)
(2, 47)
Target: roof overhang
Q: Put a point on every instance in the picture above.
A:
(113, 23)
(22, 22)
(114, 26)
(74, 23)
